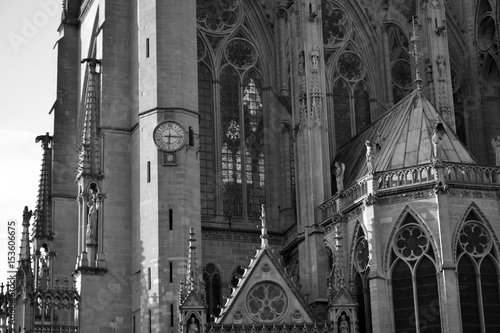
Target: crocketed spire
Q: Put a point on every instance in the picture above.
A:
(191, 282)
(88, 159)
(42, 211)
(24, 254)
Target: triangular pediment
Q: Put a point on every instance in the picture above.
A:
(265, 295)
(192, 301)
(343, 299)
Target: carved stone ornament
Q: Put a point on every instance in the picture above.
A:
(370, 200)
(337, 217)
(405, 197)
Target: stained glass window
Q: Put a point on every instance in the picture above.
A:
(242, 150)
(334, 24)
(212, 280)
(478, 280)
(342, 112)
(361, 265)
(414, 279)
(361, 107)
(400, 63)
(205, 106)
(254, 144)
(216, 15)
(232, 154)
(351, 99)
(231, 142)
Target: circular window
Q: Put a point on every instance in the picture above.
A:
(216, 15)
(350, 66)
(474, 239)
(410, 242)
(362, 255)
(240, 53)
(267, 302)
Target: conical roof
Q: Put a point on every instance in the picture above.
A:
(402, 138)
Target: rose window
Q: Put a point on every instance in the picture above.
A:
(334, 24)
(350, 66)
(267, 302)
(362, 255)
(216, 15)
(411, 242)
(240, 53)
(474, 239)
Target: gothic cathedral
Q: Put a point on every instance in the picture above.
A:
(268, 166)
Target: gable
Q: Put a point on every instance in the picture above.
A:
(265, 295)
(192, 301)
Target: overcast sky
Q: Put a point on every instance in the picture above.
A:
(28, 33)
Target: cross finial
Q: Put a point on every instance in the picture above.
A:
(415, 53)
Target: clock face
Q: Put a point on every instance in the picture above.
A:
(169, 136)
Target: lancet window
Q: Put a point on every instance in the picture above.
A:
(478, 276)
(400, 62)
(361, 261)
(351, 109)
(415, 293)
(487, 48)
(212, 280)
(231, 105)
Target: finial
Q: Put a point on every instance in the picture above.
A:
(415, 53)
(45, 139)
(191, 271)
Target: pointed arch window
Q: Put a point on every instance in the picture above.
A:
(361, 262)
(243, 158)
(233, 157)
(400, 62)
(351, 110)
(351, 97)
(478, 275)
(415, 293)
(212, 280)
(205, 107)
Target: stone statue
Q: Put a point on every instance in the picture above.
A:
(495, 142)
(93, 204)
(440, 63)
(437, 149)
(369, 156)
(339, 176)
(343, 324)
(315, 59)
(193, 327)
